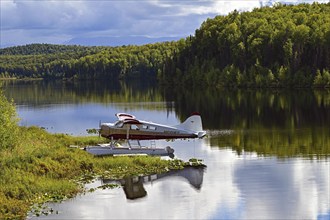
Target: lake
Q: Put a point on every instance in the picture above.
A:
(267, 151)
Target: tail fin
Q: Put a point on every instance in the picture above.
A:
(194, 124)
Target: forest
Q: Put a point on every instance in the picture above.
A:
(278, 46)
(78, 62)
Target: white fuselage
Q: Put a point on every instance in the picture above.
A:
(142, 131)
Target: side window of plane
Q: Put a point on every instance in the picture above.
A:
(134, 127)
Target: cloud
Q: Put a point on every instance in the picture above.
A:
(55, 21)
(291, 189)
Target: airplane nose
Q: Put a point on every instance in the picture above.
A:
(103, 130)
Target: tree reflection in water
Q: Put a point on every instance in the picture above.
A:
(279, 122)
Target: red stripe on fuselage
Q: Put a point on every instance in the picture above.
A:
(147, 137)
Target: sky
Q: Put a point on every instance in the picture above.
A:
(66, 21)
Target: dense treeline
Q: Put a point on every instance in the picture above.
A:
(39, 60)
(38, 49)
(284, 45)
(56, 61)
(279, 46)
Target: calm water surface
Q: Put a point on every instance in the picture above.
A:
(267, 152)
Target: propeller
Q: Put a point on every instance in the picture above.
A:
(99, 129)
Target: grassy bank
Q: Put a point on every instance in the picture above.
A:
(43, 164)
(36, 166)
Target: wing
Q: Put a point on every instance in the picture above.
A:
(124, 116)
(127, 118)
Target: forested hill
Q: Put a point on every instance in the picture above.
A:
(78, 62)
(37, 49)
(279, 46)
(284, 45)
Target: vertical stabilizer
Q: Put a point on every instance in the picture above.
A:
(194, 124)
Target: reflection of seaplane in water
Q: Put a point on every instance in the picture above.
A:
(127, 127)
(134, 189)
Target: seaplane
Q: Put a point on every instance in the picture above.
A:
(129, 128)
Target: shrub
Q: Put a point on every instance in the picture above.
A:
(8, 123)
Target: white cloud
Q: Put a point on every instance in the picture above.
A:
(58, 20)
(225, 7)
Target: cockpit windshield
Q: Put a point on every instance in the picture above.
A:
(119, 124)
